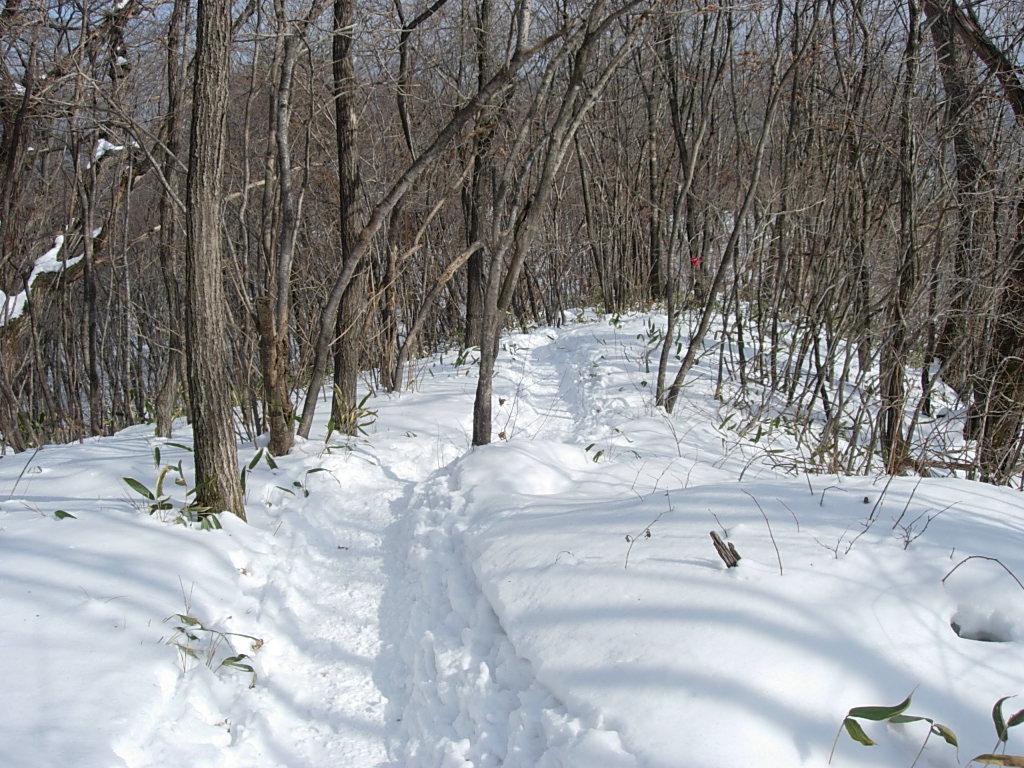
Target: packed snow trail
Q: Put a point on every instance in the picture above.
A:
(379, 647)
(464, 697)
(461, 696)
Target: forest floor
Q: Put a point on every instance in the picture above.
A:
(553, 600)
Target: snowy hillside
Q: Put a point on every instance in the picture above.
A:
(553, 600)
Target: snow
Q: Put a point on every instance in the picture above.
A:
(13, 306)
(103, 146)
(552, 600)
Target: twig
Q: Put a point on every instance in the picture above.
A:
(646, 532)
(22, 473)
(983, 557)
(770, 534)
(908, 530)
(872, 517)
(821, 501)
(907, 505)
(795, 518)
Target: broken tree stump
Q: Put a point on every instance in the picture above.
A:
(725, 551)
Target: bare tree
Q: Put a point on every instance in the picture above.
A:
(170, 137)
(274, 310)
(783, 63)
(346, 355)
(382, 208)
(991, 380)
(209, 372)
(512, 235)
(895, 345)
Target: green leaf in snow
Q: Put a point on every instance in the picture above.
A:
(856, 732)
(879, 713)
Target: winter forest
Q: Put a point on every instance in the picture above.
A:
(372, 375)
(836, 184)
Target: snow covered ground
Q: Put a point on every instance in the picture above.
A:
(553, 600)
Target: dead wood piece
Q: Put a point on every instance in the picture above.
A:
(727, 552)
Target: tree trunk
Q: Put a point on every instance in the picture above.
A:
(892, 360)
(274, 314)
(167, 396)
(475, 190)
(217, 484)
(346, 349)
(86, 188)
(994, 381)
